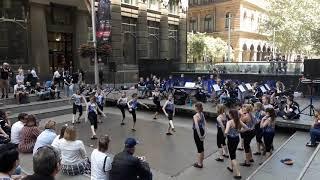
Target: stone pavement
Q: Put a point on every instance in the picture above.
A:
(169, 157)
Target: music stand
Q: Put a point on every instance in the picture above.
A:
(263, 89)
(242, 89)
(310, 106)
(267, 86)
(216, 87)
(249, 87)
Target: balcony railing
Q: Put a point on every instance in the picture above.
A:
(293, 68)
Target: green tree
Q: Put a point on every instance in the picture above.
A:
(196, 46)
(293, 22)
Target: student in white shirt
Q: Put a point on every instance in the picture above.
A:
(17, 127)
(19, 91)
(56, 77)
(101, 163)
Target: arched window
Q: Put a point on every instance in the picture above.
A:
(208, 24)
(228, 16)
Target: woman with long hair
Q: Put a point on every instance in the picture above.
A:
(199, 133)
(169, 110)
(221, 126)
(268, 126)
(156, 100)
(247, 118)
(122, 105)
(232, 131)
(133, 106)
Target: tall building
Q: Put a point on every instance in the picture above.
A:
(247, 42)
(47, 34)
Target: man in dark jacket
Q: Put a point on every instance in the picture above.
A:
(125, 166)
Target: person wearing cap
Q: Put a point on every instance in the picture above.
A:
(129, 167)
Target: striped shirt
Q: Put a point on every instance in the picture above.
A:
(28, 138)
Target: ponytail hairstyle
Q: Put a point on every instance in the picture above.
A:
(236, 118)
(272, 114)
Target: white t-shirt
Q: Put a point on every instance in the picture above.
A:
(72, 152)
(56, 74)
(34, 74)
(97, 163)
(56, 141)
(15, 132)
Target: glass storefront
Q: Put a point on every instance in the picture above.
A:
(13, 31)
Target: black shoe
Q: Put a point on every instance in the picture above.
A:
(133, 129)
(7, 96)
(245, 164)
(168, 133)
(240, 149)
(122, 124)
(251, 160)
(196, 165)
(229, 169)
(257, 153)
(226, 156)
(94, 137)
(309, 144)
(237, 177)
(154, 118)
(219, 159)
(2, 97)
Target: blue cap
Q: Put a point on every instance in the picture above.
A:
(131, 142)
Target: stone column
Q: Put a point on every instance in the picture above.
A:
(164, 33)
(142, 30)
(182, 37)
(39, 40)
(116, 36)
(81, 37)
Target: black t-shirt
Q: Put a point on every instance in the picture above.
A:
(5, 73)
(75, 77)
(142, 83)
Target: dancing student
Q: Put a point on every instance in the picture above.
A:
(92, 114)
(268, 126)
(248, 119)
(169, 110)
(77, 99)
(156, 101)
(258, 110)
(133, 105)
(100, 99)
(199, 133)
(221, 125)
(232, 131)
(122, 104)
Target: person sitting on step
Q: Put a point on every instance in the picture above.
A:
(315, 130)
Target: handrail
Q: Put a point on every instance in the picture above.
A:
(303, 172)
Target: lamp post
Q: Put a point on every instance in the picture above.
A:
(184, 7)
(93, 18)
(229, 37)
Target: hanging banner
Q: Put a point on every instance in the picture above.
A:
(103, 22)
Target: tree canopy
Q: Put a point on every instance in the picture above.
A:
(296, 24)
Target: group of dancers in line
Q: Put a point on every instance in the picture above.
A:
(94, 108)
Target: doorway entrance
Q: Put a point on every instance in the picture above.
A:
(60, 50)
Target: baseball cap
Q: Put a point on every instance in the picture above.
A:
(131, 142)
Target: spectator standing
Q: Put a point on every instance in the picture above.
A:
(5, 127)
(29, 134)
(74, 160)
(125, 166)
(4, 79)
(47, 136)
(100, 161)
(17, 127)
(34, 76)
(56, 77)
(46, 164)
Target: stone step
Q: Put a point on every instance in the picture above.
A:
(311, 170)
(294, 148)
(37, 105)
(11, 100)
(45, 113)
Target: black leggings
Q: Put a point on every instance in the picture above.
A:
(134, 116)
(232, 146)
(101, 108)
(247, 137)
(93, 118)
(199, 143)
(158, 106)
(221, 139)
(123, 110)
(259, 133)
(74, 109)
(268, 140)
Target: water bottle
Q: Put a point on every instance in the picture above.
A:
(190, 102)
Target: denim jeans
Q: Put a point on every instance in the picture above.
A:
(17, 171)
(315, 135)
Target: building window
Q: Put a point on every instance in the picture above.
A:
(153, 4)
(131, 2)
(129, 39)
(226, 23)
(193, 26)
(173, 40)
(173, 7)
(153, 39)
(208, 24)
